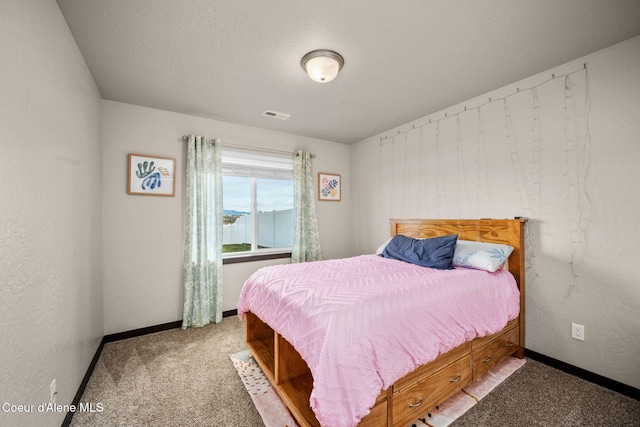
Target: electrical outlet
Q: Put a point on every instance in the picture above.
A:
(577, 331)
(53, 392)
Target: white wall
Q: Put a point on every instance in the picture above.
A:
(143, 235)
(50, 211)
(577, 184)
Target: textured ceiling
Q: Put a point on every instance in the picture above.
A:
(232, 60)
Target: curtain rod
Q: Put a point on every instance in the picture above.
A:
(244, 147)
(185, 138)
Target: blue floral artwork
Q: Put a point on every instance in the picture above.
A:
(329, 186)
(151, 175)
(149, 180)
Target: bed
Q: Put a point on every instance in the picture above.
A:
(391, 376)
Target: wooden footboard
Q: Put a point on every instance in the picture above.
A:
(431, 384)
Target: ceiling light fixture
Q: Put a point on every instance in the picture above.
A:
(322, 65)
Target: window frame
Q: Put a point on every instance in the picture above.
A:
(255, 254)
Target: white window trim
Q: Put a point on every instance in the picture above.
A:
(254, 165)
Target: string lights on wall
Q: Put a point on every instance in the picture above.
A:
(518, 90)
(446, 166)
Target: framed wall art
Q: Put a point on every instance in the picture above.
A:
(151, 175)
(329, 187)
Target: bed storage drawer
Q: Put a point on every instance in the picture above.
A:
(430, 368)
(431, 391)
(495, 351)
(481, 342)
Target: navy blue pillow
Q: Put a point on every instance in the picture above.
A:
(436, 252)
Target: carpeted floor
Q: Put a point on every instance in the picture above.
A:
(538, 395)
(185, 378)
(171, 378)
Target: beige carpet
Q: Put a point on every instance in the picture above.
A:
(538, 395)
(171, 378)
(186, 378)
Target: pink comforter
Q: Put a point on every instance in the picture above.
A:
(362, 323)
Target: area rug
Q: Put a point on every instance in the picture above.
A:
(275, 414)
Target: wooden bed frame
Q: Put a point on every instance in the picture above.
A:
(419, 391)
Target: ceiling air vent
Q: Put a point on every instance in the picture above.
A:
(276, 115)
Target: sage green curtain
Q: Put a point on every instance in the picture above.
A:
(306, 240)
(202, 265)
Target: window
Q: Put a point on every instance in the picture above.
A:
(257, 191)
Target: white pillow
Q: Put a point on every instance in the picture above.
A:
(382, 246)
(481, 255)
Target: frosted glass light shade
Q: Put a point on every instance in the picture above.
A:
(322, 65)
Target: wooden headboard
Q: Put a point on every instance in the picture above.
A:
(505, 231)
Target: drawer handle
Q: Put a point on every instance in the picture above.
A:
(415, 405)
(488, 359)
(510, 344)
(456, 379)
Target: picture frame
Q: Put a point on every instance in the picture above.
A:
(329, 187)
(151, 175)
